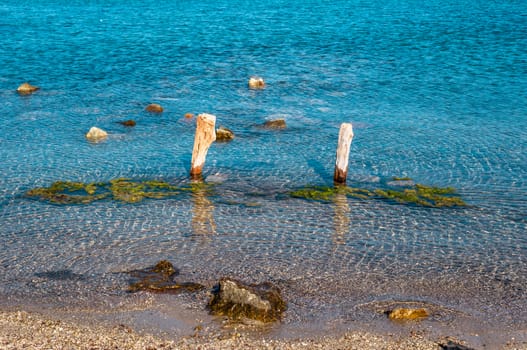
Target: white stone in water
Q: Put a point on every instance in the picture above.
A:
(96, 134)
(26, 89)
(256, 83)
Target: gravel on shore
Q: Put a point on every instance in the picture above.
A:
(24, 330)
(31, 330)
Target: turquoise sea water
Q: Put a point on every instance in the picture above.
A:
(436, 91)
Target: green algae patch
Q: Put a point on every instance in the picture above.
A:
(327, 193)
(435, 197)
(121, 189)
(160, 278)
(417, 194)
(68, 192)
(317, 193)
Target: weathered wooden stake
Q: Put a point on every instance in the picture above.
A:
(205, 136)
(343, 151)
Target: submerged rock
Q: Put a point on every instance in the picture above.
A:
(401, 181)
(96, 134)
(160, 278)
(238, 301)
(275, 124)
(450, 345)
(154, 108)
(26, 89)
(224, 134)
(256, 83)
(129, 122)
(405, 314)
(189, 115)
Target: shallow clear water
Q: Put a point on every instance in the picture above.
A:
(435, 91)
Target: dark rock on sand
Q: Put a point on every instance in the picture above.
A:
(453, 346)
(238, 301)
(160, 279)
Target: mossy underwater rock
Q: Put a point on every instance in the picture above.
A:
(407, 314)
(160, 279)
(121, 189)
(275, 124)
(27, 89)
(223, 134)
(238, 301)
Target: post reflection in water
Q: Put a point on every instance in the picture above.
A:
(202, 214)
(341, 219)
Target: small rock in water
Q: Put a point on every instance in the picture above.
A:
(224, 134)
(239, 301)
(216, 178)
(96, 134)
(130, 122)
(407, 314)
(256, 83)
(154, 108)
(189, 115)
(275, 124)
(160, 279)
(26, 89)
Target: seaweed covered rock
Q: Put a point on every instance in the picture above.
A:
(406, 314)
(26, 89)
(160, 278)
(275, 124)
(223, 134)
(95, 134)
(236, 300)
(154, 108)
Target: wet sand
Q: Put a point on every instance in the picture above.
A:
(34, 330)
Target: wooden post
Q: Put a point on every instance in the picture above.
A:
(343, 150)
(205, 136)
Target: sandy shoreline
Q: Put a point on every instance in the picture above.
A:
(32, 330)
